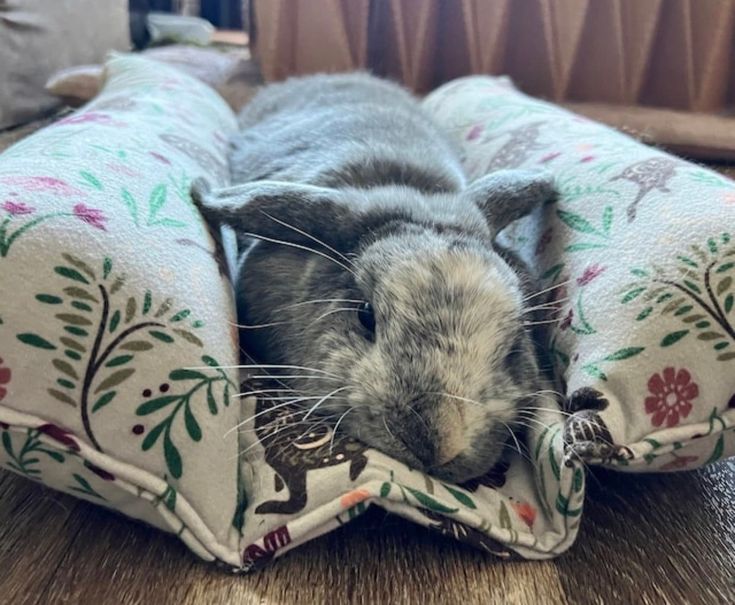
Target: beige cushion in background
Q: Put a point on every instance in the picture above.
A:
(38, 37)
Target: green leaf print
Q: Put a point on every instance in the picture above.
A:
(104, 335)
(504, 517)
(131, 205)
(460, 496)
(182, 404)
(700, 297)
(157, 201)
(429, 502)
(625, 353)
(24, 459)
(89, 179)
(562, 506)
(83, 487)
(35, 340)
(576, 222)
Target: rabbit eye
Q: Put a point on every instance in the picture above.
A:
(366, 315)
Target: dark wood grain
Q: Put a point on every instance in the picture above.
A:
(644, 539)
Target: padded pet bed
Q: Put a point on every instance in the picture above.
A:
(118, 343)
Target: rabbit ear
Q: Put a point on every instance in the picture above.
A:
(507, 195)
(289, 212)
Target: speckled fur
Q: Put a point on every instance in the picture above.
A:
(353, 161)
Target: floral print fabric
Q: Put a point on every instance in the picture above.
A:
(118, 340)
(638, 254)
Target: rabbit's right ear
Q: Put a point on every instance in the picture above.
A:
(507, 195)
(277, 210)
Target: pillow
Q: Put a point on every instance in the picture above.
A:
(111, 288)
(118, 345)
(231, 73)
(639, 253)
(117, 379)
(38, 37)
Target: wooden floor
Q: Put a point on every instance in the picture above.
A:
(644, 539)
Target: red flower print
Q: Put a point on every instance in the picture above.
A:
(91, 216)
(17, 208)
(678, 463)
(589, 274)
(525, 511)
(5, 375)
(671, 396)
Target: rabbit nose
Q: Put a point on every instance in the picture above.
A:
(451, 433)
(448, 451)
(418, 440)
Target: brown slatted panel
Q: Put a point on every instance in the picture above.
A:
(321, 39)
(565, 20)
(670, 81)
(273, 39)
(712, 36)
(672, 53)
(600, 65)
(639, 22)
(528, 50)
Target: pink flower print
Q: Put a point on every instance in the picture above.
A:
(549, 156)
(729, 199)
(90, 117)
(590, 273)
(672, 393)
(160, 158)
(582, 147)
(587, 158)
(678, 463)
(474, 132)
(43, 184)
(118, 168)
(91, 216)
(5, 375)
(17, 208)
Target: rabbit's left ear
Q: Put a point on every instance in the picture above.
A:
(284, 211)
(507, 195)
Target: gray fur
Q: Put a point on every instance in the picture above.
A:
(351, 168)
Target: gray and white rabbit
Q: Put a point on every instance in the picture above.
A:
(369, 270)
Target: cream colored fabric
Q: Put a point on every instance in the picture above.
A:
(118, 339)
